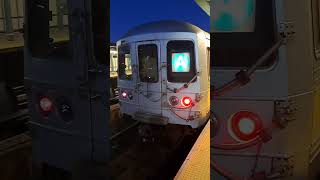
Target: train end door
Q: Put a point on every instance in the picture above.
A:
(66, 80)
(149, 81)
(127, 78)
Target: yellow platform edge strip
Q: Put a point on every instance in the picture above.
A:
(197, 164)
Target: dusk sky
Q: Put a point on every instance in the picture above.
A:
(126, 14)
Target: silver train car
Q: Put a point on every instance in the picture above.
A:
(163, 74)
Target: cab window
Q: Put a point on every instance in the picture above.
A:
(148, 63)
(100, 31)
(181, 61)
(243, 31)
(113, 61)
(48, 29)
(124, 62)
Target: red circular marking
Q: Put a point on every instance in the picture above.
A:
(236, 118)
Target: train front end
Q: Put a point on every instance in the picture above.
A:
(164, 74)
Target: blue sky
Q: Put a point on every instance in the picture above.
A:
(126, 14)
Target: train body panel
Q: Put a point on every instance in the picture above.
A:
(151, 99)
(66, 84)
(288, 146)
(285, 97)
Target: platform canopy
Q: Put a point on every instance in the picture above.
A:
(205, 5)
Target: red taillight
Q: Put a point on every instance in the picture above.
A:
(186, 101)
(174, 100)
(246, 125)
(46, 104)
(124, 94)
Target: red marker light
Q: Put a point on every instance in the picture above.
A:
(246, 125)
(186, 101)
(124, 94)
(46, 104)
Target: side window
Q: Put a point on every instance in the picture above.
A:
(148, 63)
(124, 62)
(316, 27)
(58, 20)
(181, 61)
(59, 30)
(113, 61)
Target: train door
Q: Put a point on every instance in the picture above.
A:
(127, 78)
(149, 80)
(66, 79)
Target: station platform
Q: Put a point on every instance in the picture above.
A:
(197, 163)
(15, 40)
(11, 41)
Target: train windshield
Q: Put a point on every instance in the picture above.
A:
(181, 61)
(148, 63)
(124, 62)
(243, 31)
(48, 29)
(234, 15)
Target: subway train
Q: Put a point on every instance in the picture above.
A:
(163, 74)
(266, 96)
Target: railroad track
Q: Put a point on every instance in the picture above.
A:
(132, 158)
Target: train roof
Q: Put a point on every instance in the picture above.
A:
(162, 27)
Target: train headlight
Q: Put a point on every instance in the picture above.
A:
(186, 101)
(245, 125)
(174, 100)
(45, 104)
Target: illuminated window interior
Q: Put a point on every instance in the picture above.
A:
(124, 63)
(113, 62)
(128, 64)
